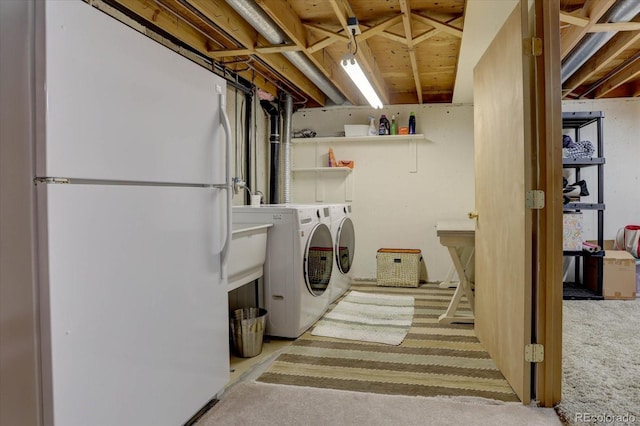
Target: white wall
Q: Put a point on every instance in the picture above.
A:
(621, 127)
(396, 208)
(393, 206)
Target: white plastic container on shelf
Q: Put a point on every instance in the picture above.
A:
(354, 130)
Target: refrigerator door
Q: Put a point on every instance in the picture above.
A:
(115, 105)
(134, 316)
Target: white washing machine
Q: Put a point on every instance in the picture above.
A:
(298, 265)
(344, 241)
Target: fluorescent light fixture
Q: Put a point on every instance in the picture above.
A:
(354, 71)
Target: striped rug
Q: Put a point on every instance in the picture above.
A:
(434, 359)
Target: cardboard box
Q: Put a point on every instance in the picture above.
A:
(618, 274)
(572, 231)
(638, 278)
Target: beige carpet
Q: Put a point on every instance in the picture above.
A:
(433, 359)
(601, 362)
(260, 404)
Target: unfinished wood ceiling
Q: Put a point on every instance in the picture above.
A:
(408, 48)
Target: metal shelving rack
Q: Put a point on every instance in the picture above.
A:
(577, 121)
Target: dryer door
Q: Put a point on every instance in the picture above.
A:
(318, 260)
(345, 245)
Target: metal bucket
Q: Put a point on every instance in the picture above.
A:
(247, 330)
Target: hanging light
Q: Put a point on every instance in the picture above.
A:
(353, 70)
(351, 66)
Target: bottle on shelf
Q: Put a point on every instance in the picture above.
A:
(373, 131)
(394, 126)
(384, 127)
(412, 124)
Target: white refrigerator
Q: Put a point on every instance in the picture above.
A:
(131, 214)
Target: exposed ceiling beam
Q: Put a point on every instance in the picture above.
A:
(439, 25)
(405, 8)
(255, 51)
(331, 37)
(568, 18)
(289, 22)
(380, 27)
(391, 36)
(593, 11)
(232, 23)
(164, 19)
(342, 9)
(609, 52)
(628, 74)
(434, 32)
(615, 26)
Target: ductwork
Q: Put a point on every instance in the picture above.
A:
(621, 11)
(270, 31)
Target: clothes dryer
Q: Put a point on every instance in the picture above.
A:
(344, 241)
(298, 265)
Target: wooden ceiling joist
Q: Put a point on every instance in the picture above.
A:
(405, 9)
(439, 25)
(631, 72)
(593, 10)
(572, 19)
(601, 59)
(232, 23)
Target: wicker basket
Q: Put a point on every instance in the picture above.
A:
(320, 266)
(398, 267)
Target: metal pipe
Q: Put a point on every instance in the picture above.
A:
(248, 98)
(622, 11)
(269, 30)
(286, 132)
(274, 143)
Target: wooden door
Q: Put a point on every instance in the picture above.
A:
(503, 135)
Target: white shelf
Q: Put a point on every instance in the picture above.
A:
(324, 169)
(389, 138)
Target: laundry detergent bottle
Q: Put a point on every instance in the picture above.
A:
(383, 127)
(412, 124)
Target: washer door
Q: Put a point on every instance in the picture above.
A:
(318, 260)
(345, 245)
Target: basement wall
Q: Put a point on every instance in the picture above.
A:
(394, 206)
(397, 192)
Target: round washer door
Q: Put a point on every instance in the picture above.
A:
(318, 260)
(345, 245)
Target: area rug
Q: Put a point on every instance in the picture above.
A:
(601, 362)
(434, 359)
(380, 318)
(251, 404)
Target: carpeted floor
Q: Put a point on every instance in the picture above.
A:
(262, 404)
(601, 361)
(433, 359)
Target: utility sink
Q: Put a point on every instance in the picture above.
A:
(247, 253)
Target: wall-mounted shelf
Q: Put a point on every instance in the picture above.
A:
(332, 139)
(324, 169)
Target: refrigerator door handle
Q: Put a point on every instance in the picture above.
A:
(228, 184)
